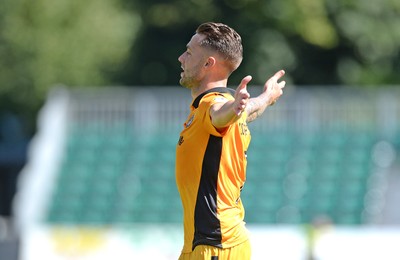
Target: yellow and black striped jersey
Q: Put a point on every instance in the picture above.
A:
(210, 173)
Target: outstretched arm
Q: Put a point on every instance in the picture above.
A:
(271, 92)
(224, 114)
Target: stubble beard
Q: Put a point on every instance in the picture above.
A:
(189, 82)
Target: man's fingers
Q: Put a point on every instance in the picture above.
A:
(244, 83)
(273, 81)
(241, 95)
(279, 75)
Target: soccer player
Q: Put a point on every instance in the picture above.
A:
(211, 151)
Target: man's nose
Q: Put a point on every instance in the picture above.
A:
(180, 58)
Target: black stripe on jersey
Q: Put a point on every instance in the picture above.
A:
(206, 223)
(196, 102)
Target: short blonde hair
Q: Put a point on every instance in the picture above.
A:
(223, 39)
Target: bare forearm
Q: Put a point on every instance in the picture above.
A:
(256, 107)
(224, 116)
(271, 92)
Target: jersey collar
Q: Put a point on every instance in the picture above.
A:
(196, 101)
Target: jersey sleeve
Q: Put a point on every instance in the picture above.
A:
(206, 103)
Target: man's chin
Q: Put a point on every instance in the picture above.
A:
(184, 83)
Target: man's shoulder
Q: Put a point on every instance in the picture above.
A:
(219, 90)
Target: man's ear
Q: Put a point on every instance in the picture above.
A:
(210, 62)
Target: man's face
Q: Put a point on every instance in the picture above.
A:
(192, 62)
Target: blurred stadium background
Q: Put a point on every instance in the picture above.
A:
(323, 173)
(87, 169)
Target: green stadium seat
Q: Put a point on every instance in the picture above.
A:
(125, 179)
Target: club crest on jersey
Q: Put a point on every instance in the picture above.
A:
(189, 121)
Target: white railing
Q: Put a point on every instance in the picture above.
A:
(304, 109)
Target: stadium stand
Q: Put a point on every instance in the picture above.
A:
(316, 154)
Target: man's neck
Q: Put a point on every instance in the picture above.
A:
(204, 87)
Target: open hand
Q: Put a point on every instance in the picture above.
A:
(241, 96)
(273, 88)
